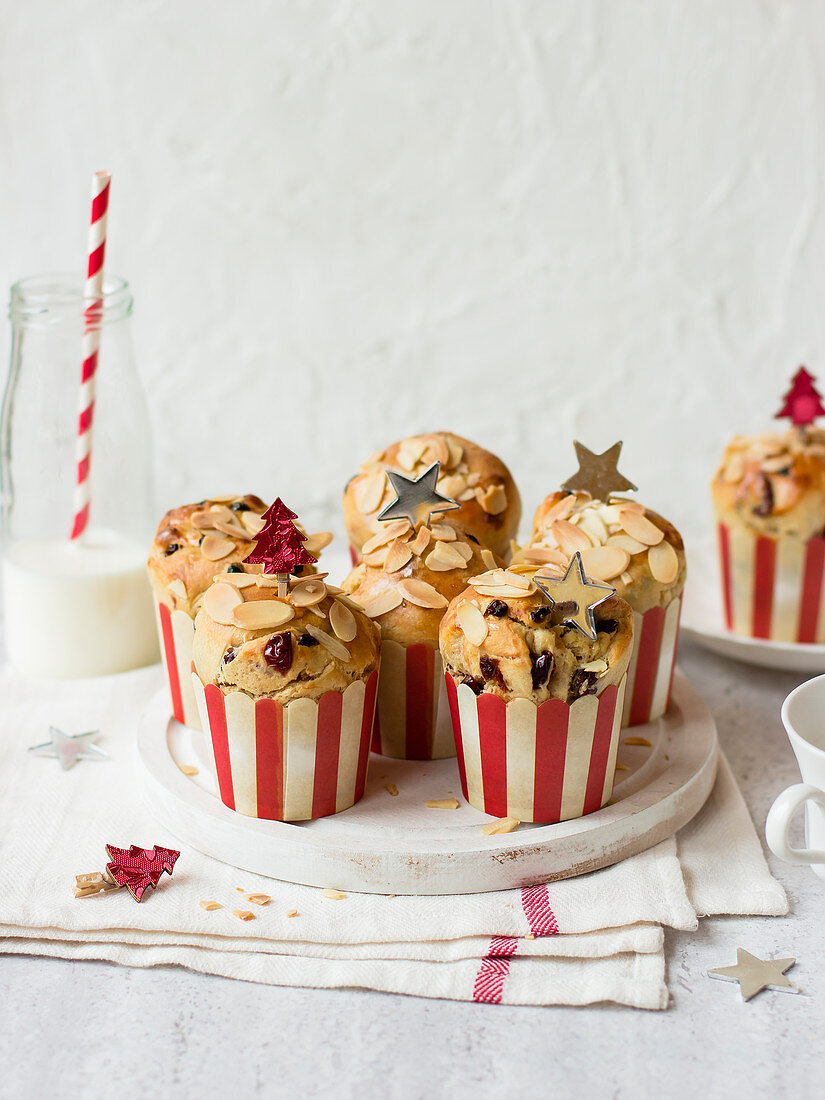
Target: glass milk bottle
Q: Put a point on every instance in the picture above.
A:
(75, 606)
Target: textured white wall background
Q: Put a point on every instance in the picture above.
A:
(527, 220)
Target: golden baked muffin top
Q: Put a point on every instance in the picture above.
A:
(409, 575)
(621, 542)
(476, 478)
(301, 645)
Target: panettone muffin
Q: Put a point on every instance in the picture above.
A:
(404, 582)
(642, 556)
(769, 499)
(536, 702)
(478, 480)
(286, 690)
(193, 544)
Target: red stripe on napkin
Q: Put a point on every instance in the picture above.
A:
(327, 745)
(600, 751)
(216, 710)
(551, 744)
(535, 901)
(170, 654)
(763, 580)
(495, 966)
(269, 759)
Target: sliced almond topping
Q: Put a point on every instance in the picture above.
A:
(560, 510)
(421, 593)
(243, 914)
(398, 554)
(233, 530)
(214, 548)
(625, 542)
(330, 643)
(342, 621)
(626, 578)
(388, 532)
(377, 557)
(443, 532)
(591, 523)
(501, 576)
(252, 522)
(468, 494)
(259, 899)
(442, 803)
(455, 451)
(664, 562)
(639, 527)
(436, 450)
(237, 580)
(308, 593)
(543, 554)
(316, 543)
(382, 603)
(598, 666)
(369, 490)
(493, 499)
(530, 567)
(452, 485)
(210, 905)
(421, 541)
(472, 622)
(464, 549)
(270, 580)
(489, 558)
(473, 478)
(178, 588)
(220, 602)
(629, 505)
(569, 537)
(391, 788)
(406, 458)
(444, 557)
(262, 615)
(507, 591)
(605, 562)
(333, 895)
(502, 825)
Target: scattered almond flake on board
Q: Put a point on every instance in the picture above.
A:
(237, 580)
(388, 532)
(262, 615)
(398, 554)
(603, 563)
(663, 562)
(308, 593)
(493, 499)
(178, 588)
(220, 603)
(443, 532)
(502, 825)
(209, 906)
(442, 803)
(421, 541)
(489, 558)
(291, 913)
(188, 769)
(259, 899)
(252, 522)
(240, 889)
(332, 644)
(639, 527)
(569, 537)
(443, 557)
(598, 666)
(638, 741)
(214, 548)
(333, 895)
(472, 622)
(391, 788)
(421, 593)
(342, 621)
(622, 768)
(369, 490)
(625, 542)
(243, 914)
(382, 603)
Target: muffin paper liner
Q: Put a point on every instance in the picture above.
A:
(412, 718)
(772, 588)
(650, 675)
(293, 762)
(354, 555)
(176, 630)
(543, 763)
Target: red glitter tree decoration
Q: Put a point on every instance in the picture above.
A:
(803, 402)
(279, 546)
(137, 868)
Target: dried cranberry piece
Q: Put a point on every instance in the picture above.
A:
(473, 684)
(606, 626)
(490, 671)
(764, 505)
(228, 656)
(542, 669)
(582, 683)
(497, 608)
(235, 567)
(539, 614)
(239, 506)
(307, 640)
(171, 548)
(278, 652)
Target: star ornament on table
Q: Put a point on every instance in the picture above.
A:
(68, 748)
(416, 499)
(754, 974)
(598, 474)
(575, 591)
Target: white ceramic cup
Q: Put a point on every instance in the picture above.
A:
(803, 716)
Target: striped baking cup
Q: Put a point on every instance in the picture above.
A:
(543, 763)
(650, 675)
(772, 588)
(176, 631)
(292, 762)
(354, 555)
(412, 719)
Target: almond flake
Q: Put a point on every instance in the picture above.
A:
(210, 905)
(259, 899)
(442, 803)
(464, 549)
(342, 621)
(291, 913)
(489, 558)
(333, 895)
(252, 522)
(625, 542)
(505, 591)
(493, 499)
(639, 527)
(308, 593)
(443, 532)
(369, 490)
(501, 576)
(560, 510)
(188, 769)
(398, 554)
(626, 578)
(599, 666)
(638, 741)
(591, 523)
(178, 588)
(243, 914)
(468, 494)
(452, 485)
(262, 615)
(436, 450)
(502, 825)
(414, 448)
(605, 562)
(444, 557)
(391, 788)
(233, 530)
(456, 453)
(382, 603)
(421, 541)
(214, 548)
(629, 505)
(203, 520)
(328, 642)
(569, 537)
(377, 558)
(317, 542)
(472, 622)
(388, 532)
(663, 562)
(421, 593)
(524, 567)
(237, 580)
(220, 602)
(543, 554)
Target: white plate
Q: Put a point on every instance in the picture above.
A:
(703, 620)
(395, 844)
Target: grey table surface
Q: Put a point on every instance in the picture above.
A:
(94, 1029)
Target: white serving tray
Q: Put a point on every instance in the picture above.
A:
(396, 845)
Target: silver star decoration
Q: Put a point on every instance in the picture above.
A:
(416, 499)
(574, 588)
(69, 748)
(598, 474)
(755, 974)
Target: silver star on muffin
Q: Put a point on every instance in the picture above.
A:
(576, 592)
(598, 474)
(69, 748)
(416, 499)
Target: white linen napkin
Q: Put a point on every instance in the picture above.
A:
(596, 937)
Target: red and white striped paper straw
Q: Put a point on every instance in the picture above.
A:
(93, 296)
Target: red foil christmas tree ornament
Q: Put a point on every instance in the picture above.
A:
(279, 545)
(803, 402)
(136, 868)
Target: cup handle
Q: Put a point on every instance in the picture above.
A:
(779, 820)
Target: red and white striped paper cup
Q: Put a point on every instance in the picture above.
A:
(176, 631)
(650, 675)
(545, 763)
(292, 762)
(412, 718)
(773, 588)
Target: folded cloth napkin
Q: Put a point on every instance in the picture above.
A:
(593, 938)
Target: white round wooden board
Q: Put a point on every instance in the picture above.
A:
(396, 845)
